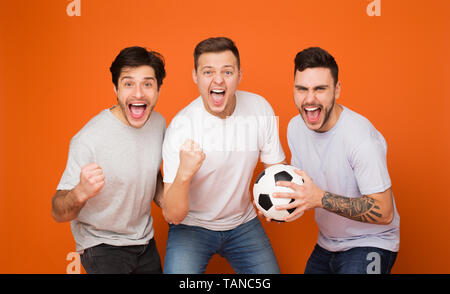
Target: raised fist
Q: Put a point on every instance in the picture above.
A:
(191, 159)
(92, 181)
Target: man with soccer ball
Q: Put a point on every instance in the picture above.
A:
(342, 159)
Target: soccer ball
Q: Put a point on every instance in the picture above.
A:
(265, 185)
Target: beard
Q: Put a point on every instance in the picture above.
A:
(327, 113)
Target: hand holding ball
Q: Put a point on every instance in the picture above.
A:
(265, 186)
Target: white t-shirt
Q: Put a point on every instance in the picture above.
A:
(130, 159)
(219, 192)
(348, 160)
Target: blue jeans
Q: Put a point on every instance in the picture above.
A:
(358, 260)
(246, 248)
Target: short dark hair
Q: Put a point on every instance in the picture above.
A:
(316, 57)
(137, 56)
(217, 44)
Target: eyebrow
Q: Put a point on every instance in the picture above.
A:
(210, 66)
(315, 87)
(130, 77)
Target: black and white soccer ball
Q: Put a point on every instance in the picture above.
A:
(265, 185)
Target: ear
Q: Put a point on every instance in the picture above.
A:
(115, 89)
(240, 76)
(194, 75)
(337, 90)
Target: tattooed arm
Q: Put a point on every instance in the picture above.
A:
(375, 208)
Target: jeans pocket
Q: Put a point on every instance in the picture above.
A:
(87, 260)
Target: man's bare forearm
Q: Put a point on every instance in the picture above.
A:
(176, 200)
(364, 209)
(65, 206)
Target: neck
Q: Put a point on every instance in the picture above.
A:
(117, 112)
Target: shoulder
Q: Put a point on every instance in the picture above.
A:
(295, 124)
(191, 110)
(254, 102)
(358, 130)
(182, 123)
(92, 127)
(355, 122)
(158, 119)
(158, 116)
(250, 97)
(295, 121)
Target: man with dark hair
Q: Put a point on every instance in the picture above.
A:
(210, 151)
(342, 158)
(113, 172)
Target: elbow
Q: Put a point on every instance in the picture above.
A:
(387, 218)
(173, 218)
(57, 218)
(174, 222)
(60, 218)
(174, 212)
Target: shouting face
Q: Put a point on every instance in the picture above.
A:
(137, 93)
(315, 93)
(217, 77)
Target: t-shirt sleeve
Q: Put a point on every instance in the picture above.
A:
(370, 166)
(271, 150)
(295, 161)
(174, 137)
(79, 156)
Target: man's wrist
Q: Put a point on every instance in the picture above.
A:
(321, 195)
(183, 176)
(78, 197)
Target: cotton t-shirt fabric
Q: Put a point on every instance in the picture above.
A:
(348, 160)
(219, 192)
(130, 159)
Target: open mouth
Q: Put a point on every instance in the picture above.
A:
(217, 96)
(312, 113)
(137, 110)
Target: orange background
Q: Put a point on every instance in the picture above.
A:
(395, 70)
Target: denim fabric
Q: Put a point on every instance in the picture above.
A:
(246, 248)
(358, 260)
(109, 259)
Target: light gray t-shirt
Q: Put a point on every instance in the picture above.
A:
(130, 159)
(348, 160)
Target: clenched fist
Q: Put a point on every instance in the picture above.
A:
(92, 181)
(191, 159)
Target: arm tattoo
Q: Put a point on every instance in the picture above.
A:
(363, 209)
